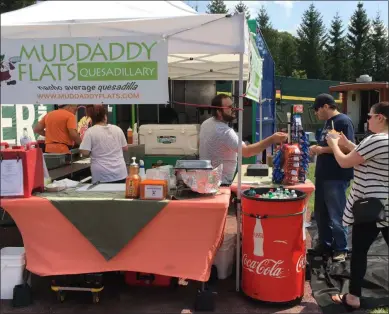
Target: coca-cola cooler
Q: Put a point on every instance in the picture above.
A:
(273, 247)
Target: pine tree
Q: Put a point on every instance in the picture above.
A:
(217, 7)
(287, 55)
(269, 34)
(337, 58)
(311, 41)
(242, 8)
(263, 19)
(379, 42)
(11, 5)
(359, 41)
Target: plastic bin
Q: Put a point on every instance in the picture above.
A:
(224, 259)
(12, 267)
(273, 247)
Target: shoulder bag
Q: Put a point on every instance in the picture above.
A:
(368, 210)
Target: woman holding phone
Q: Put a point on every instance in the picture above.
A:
(370, 160)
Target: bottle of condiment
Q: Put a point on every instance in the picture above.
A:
(135, 139)
(142, 172)
(129, 135)
(133, 181)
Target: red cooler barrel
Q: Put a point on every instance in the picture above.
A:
(273, 247)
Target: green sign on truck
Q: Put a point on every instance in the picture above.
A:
(14, 118)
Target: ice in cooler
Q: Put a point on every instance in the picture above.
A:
(258, 238)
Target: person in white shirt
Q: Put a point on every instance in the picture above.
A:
(219, 143)
(105, 144)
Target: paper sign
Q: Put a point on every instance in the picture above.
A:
(154, 192)
(254, 82)
(11, 178)
(108, 70)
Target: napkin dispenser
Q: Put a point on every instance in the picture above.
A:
(257, 170)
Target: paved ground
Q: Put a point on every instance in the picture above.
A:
(117, 298)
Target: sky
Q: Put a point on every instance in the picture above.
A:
(286, 15)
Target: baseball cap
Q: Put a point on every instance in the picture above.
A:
(323, 99)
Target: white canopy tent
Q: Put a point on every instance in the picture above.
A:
(201, 46)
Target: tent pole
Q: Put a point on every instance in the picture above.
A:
(238, 207)
(132, 116)
(137, 117)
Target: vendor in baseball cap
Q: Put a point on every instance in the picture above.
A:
(322, 100)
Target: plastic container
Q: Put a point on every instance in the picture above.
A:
(144, 279)
(273, 247)
(129, 135)
(224, 259)
(12, 267)
(135, 136)
(170, 139)
(32, 161)
(153, 189)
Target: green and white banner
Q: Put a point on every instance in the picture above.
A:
(14, 118)
(111, 70)
(254, 83)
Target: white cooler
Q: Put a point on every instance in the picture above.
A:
(224, 260)
(170, 139)
(12, 267)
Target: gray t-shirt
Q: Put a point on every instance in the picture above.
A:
(106, 146)
(219, 143)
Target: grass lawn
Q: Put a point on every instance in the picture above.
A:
(311, 176)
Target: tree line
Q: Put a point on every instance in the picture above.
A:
(340, 53)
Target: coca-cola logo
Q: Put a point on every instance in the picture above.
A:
(266, 267)
(258, 235)
(301, 263)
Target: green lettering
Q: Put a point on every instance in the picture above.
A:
(21, 71)
(98, 52)
(148, 49)
(59, 70)
(30, 72)
(47, 72)
(70, 70)
(24, 51)
(111, 52)
(78, 51)
(62, 52)
(129, 57)
(53, 55)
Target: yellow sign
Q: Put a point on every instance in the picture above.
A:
(226, 93)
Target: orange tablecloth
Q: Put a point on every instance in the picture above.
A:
(181, 241)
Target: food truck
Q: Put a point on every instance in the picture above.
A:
(357, 98)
